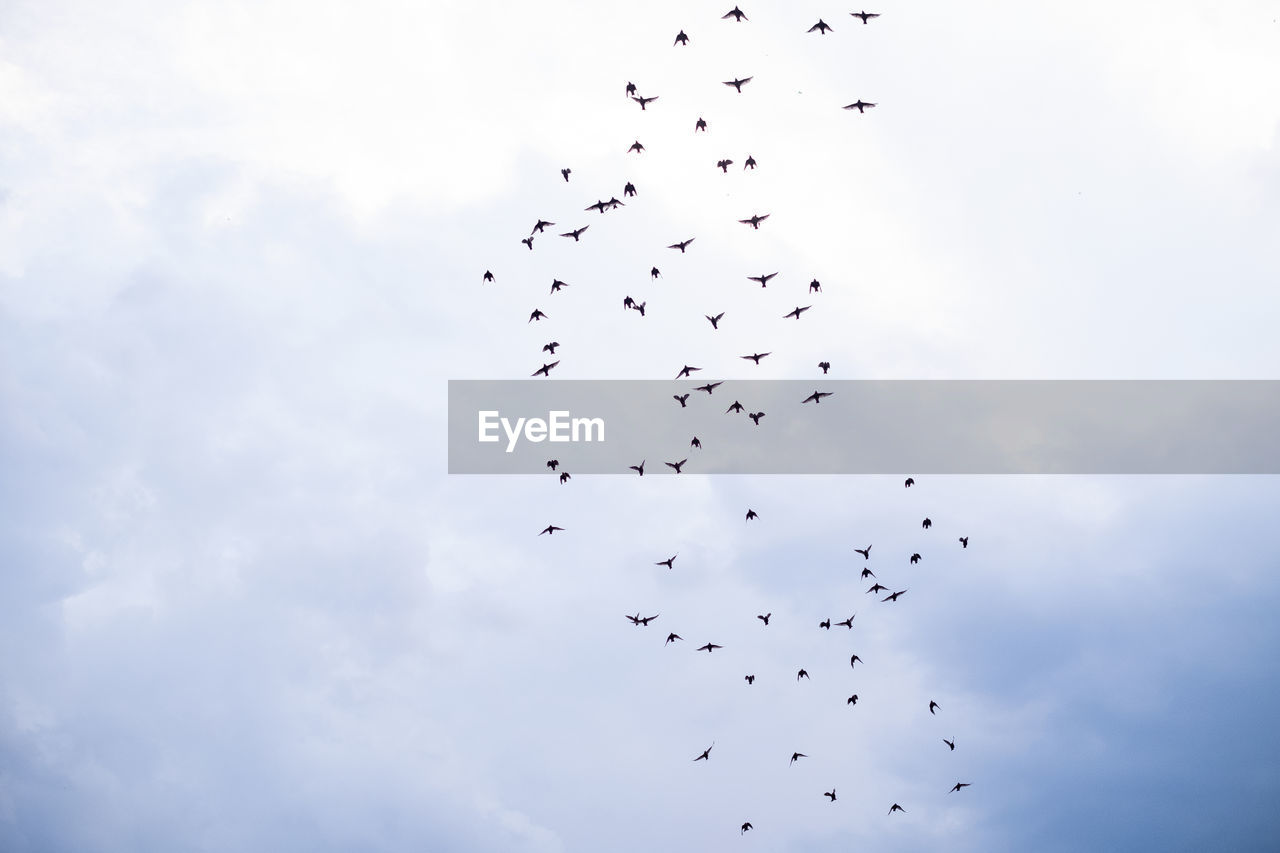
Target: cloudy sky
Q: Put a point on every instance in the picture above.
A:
(244, 607)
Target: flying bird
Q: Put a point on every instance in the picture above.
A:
(909, 483)
(576, 233)
(751, 513)
(926, 524)
(540, 225)
(536, 315)
(763, 279)
(669, 562)
(685, 371)
(715, 321)
(638, 620)
(709, 387)
(599, 205)
(551, 530)
(736, 407)
(695, 443)
(853, 658)
(682, 398)
(915, 558)
(551, 347)
(629, 190)
(825, 623)
(878, 588)
(865, 16)
(816, 396)
(751, 679)
(488, 276)
(795, 756)
(831, 794)
(745, 827)
(749, 163)
(852, 700)
(681, 38)
(822, 27)
(672, 637)
(865, 552)
(933, 706)
(735, 13)
(631, 89)
(545, 370)
(958, 786)
(566, 172)
(867, 573)
(815, 286)
(639, 469)
(528, 241)
(894, 597)
(796, 313)
(756, 358)
(765, 618)
(951, 743)
(724, 165)
(676, 465)
(860, 106)
(706, 753)
(825, 365)
(755, 417)
(709, 648)
(700, 125)
(636, 147)
(644, 101)
(654, 272)
(802, 674)
(755, 220)
(738, 84)
(682, 245)
(896, 808)
(964, 541)
(557, 284)
(553, 463)
(848, 623)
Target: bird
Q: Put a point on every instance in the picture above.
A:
(822, 27)
(848, 623)
(669, 562)
(536, 315)
(736, 407)
(964, 541)
(627, 302)
(639, 469)
(540, 225)
(749, 163)
(706, 753)
(750, 679)
(654, 272)
(751, 513)
(852, 700)
(926, 524)
(755, 220)
(551, 347)
(685, 371)
(802, 674)
(551, 530)
(723, 165)
(553, 463)
(682, 245)
(528, 241)
(755, 417)
(672, 637)
(599, 205)
(951, 743)
(631, 89)
(644, 101)
(709, 648)
(566, 172)
(614, 204)
(763, 279)
(488, 276)
(681, 38)
(825, 623)
(878, 588)
(629, 190)
(756, 358)
(865, 16)
(933, 706)
(853, 658)
(915, 558)
(695, 443)
(557, 284)
(576, 233)
(700, 125)
(831, 794)
(709, 387)
(909, 483)
(639, 620)
(735, 13)
(867, 573)
(958, 786)
(738, 84)
(860, 106)
(894, 597)
(797, 312)
(815, 285)
(676, 465)
(682, 398)
(896, 808)
(745, 827)
(636, 147)
(816, 396)
(715, 321)
(545, 370)
(795, 756)
(865, 552)
(765, 618)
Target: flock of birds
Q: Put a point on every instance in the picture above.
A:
(755, 220)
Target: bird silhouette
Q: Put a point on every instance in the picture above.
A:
(860, 106)
(749, 163)
(545, 370)
(802, 674)
(951, 743)
(751, 514)
(933, 706)
(915, 558)
(852, 700)
(763, 279)
(644, 101)
(631, 89)
(669, 562)
(894, 597)
(551, 347)
(878, 588)
(672, 638)
(896, 808)
(909, 483)
(528, 241)
(745, 827)
(682, 398)
(831, 794)
(599, 205)
(557, 284)
(654, 272)
(865, 16)
(755, 417)
(825, 623)
(638, 620)
(756, 357)
(676, 465)
(488, 276)
(926, 524)
(867, 573)
(709, 648)
(865, 552)
(964, 541)
(636, 147)
(709, 387)
(735, 13)
(765, 618)
(627, 302)
(566, 173)
(629, 190)
(576, 233)
(639, 469)
(700, 125)
(553, 464)
(751, 679)
(681, 38)
(825, 365)
(755, 220)
(715, 321)
(848, 623)
(738, 84)
(815, 286)
(685, 371)
(795, 756)
(695, 443)
(551, 530)
(682, 245)
(706, 753)
(797, 312)
(536, 315)
(822, 27)
(816, 397)
(853, 658)
(958, 786)
(540, 225)
(736, 407)
(724, 165)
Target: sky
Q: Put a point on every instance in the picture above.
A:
(244, 606)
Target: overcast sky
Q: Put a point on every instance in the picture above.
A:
(243, 607)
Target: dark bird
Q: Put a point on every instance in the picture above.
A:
(894, 597)
(629, 190)
(715, 321)
(765, 618)
(756, 358)
(964, 541)
(878, 588)
(636, 147)
(488, 276)
(599, 205)
(735, 13)
(867, 573)
(576, 233)
(865, 16)
(564, 478)
(749, 163)
(751, 513)
(745, 827)
(654, 272)
(852, 700)
(755, 417)
(822, 27)
(865, 552)
(915, 558)
(831, 794)
(736, 407)
(755, 220)
(676, 465)
(709, 648)
(685, 371)
(724, 165)
(853, 658)
(825, 623)
(683, 398)
(566, 172)
(796, 313)
(909, 483)
(631, 89)
(639, 306)
(639, 469)
(763, 279)
(551, 529)
(553, 463)
(682, 245)
(751, 679)
(614, 204)
(816, 396)
(672, 637)
(802, 674)
(933, 706)
(896, 808)
(815, 285)
(738, 84)
(860, 106)
(795, 756)
(557, 284)
(926, 524)
(958, 786)
(638, 620)
(669, 562)
(695, 443)
(545, 370)
(551, 347)
(848, 623)
(951, 743)
(701, 125)
(541, 224)
(627, 302)
(536, 315)
(681, 38)
(709, 387)
(825, 365)
(706, 753)
(528, 241)
(644, 101)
